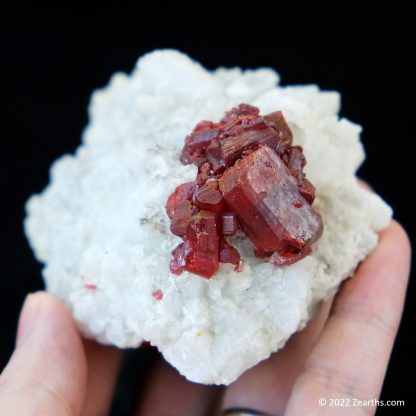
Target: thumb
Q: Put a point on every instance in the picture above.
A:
(46, 374)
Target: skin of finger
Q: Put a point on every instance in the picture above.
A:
(103, 367)
(350, 359)
(169, 393)
(46, 374)
(266, 387)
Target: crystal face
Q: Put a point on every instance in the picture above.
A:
(229, 223)
(250, 177)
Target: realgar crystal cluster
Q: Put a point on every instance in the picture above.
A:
(249, 176)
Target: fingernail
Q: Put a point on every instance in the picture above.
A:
(27, 317)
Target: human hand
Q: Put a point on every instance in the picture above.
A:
(343, 353)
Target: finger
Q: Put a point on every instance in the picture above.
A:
(46, 374)
(103, 365)
(169, 393)
(266, 387)
(350, 359)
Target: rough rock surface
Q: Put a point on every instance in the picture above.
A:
(101, 230)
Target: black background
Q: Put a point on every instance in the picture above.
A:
(50, 73)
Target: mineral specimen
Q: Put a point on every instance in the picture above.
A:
(101, 220)
(249, 174)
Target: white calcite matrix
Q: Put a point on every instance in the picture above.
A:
(101, 230)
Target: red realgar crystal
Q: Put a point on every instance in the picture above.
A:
(266, 198)
(249, 176)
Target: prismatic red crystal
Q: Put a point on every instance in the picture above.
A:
(249, 176)
(199, 253)
(266, 198)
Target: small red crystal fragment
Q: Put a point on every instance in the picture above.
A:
(187, 257)
(241, 110)
(203, 264)
(180, 219)
(228, 254)
(296, 162)
(213, 154)
(158, 294)
(178, 262)
(199, 253)
(240, 139)
(198, 141)
(203, 232)
(277, 121)
(209, 197)
(90, 286)
(205, 172)
(182, 193)
(307, 190)
(229, 224)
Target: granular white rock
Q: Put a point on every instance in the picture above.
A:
(101, 230)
